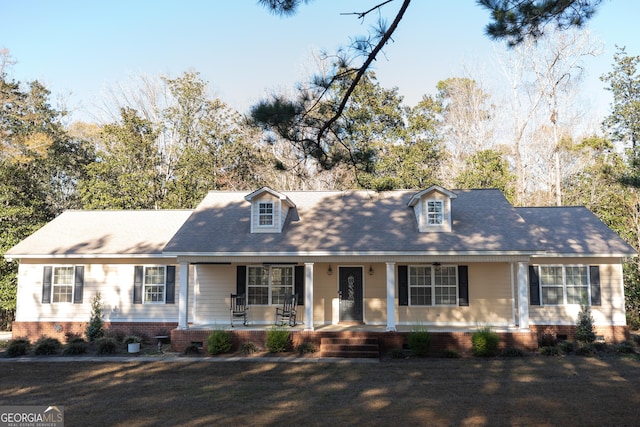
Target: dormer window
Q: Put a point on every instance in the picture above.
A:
(435, 212)
(269, 210)
(432, 208)
(265, 214)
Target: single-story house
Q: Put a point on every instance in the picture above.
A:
(446, 260)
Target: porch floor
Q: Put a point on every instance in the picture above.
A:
(350, 327)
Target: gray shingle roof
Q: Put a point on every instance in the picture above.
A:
(574, 230)
(327, 222)
(102, 233)
(365, 222)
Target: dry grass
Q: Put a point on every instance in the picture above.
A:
(540, 391)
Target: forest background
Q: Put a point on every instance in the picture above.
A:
(163, 142)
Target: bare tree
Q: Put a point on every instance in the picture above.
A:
(558, 71)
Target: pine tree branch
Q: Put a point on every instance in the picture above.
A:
(370, 58)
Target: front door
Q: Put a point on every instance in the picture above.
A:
(350, 294)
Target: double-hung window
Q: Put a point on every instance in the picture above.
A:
(265, 214)
(435, 212)
(154, 284)
(269, 284)
(433, 285)
(62, 284)
(564, 284)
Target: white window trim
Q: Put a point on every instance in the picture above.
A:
(269, 285)
(272, 215)
(564, 284)
(433, 286)
(144, 284)
(54, 284)
(441, 213)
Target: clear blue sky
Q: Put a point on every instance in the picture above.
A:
(77, 48)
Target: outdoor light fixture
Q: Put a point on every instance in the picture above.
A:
(370, 270)
(329, 270)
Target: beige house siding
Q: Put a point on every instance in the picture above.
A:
(375, 294)
(609, 313)
(214, 284)
(490, 301)
(113, 279)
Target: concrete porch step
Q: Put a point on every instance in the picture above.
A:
(350, 347)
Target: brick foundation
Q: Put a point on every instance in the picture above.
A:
(610, 334)
(181, 338)
(60, 330)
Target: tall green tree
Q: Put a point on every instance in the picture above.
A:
(624, 84)
(40, 165)
(126, 174)
(170, 155)
(488, 169)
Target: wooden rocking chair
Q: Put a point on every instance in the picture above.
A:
(288, 312)
(239, 308)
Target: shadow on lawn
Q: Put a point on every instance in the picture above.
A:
(194, 392)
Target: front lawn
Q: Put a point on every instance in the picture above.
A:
(533, 390)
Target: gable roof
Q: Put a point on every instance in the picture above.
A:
(327, 223)
(284, 198)
(356, 223)
(102, 234)
(416, 197)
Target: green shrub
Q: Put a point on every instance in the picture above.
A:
(566, 347)
(586, 350)
(512, 352)
(625, 347)
(95, 328)
(550, 350)
(584, 326)
(484, 343)
(46, 346)
(106, 345)
(419, 341)
(219, 341)
(305, 348)
(18, 347)
(248, 348)
(277, 340)
(75, 348)
(450, 354)
(72, 337)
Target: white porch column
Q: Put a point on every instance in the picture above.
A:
(391, 297)
(523, 295)
(183, 297)
(308, 296)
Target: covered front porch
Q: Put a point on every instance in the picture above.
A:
(484, 291)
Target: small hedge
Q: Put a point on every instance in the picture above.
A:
(419, 341)
(106, 345)
(18, 347)
(74, 348)
(277, 340)
(219, 342)
(484, 343)
(46, 346)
